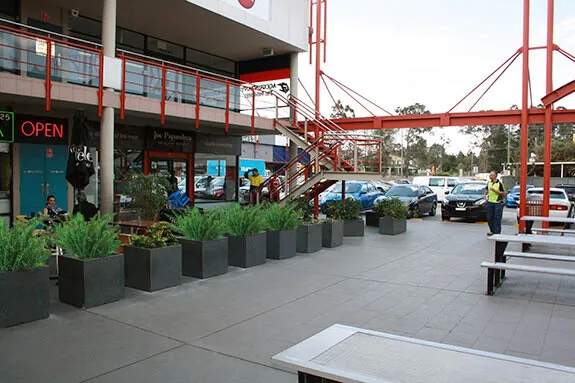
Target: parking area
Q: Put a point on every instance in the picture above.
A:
(426, 284)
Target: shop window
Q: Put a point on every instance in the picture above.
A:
(165, 48)
(5, 183)
(210, 62)
(83, 27)
(131, 40)
(215, 178)
(9, 9)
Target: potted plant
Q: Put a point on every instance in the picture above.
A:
(393, 215)
(348, 212)
(148, 194)
(89, 273)
(153, 261)
(246, 236)
(24, 276)
(372, 218)
(282, 224)
(332, 233)
(204, 249)
(309, 234)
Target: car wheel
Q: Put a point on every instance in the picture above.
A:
(433, 210)
(414, 212)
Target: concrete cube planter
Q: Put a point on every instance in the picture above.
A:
(204, 259)
(281, 244)
(91, 282)
(309, 238)
(247, 251)
(332, 233)
(153, 269)
(24, 296)
(353, 228)
(390, 226)
(372, 219)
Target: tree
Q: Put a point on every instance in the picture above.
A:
(412, 135)
(341, 111)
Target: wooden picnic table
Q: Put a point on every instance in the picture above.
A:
(353, 355)
(136, 225)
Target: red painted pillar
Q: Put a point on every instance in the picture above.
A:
(524, 115)
(548, 112)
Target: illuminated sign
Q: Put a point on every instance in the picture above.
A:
(258, 8)
(6, 126)
(41, 130)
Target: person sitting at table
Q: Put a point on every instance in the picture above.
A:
(51, 209)
(87, 209)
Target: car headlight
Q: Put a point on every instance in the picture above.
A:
(480, 202)
(444, 202)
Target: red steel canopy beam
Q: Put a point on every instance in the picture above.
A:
(559, 94)
(499, 117)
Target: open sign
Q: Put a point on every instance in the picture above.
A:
(41, 130)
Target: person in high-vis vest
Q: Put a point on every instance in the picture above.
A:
(495, 193)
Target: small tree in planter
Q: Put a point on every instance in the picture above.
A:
(148, 193)
(282, 224)
(90, 274)
(393, 215)
(24, 276)
(309, 234)
(246, 236)
(204, 249)
(349, 213)
(153, 261)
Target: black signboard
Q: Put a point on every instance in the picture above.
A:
(229, 145)
(125, 137)
(165, 140)
(41, 130)
(6, 126)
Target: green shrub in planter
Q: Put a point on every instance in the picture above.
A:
(349, 213)
(153, 261)
(246, 235)
(149, 193)
(282, 223)
(304, 207)
(204, 249)
(24, 276)
(393, 216)
(90, 274)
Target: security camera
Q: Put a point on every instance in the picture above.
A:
(75, 13)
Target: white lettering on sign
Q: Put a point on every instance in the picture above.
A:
(81, 153)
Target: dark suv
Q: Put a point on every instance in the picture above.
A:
(569, 189)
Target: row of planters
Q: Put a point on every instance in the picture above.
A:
(390, 216)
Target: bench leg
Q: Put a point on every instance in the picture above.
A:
(500, 248)
(525, 247)
(490, 275)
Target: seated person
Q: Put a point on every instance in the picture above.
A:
(52, 209)
(87, 209)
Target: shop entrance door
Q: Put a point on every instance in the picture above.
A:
(42, 173)
(167, 167)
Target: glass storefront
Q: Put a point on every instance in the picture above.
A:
(5, 183)
(215, 178)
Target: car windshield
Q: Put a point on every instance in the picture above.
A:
(469, 189)
(218, 182)
(568, 189)
(515, 189)
(552, 194)
(349, 188)
(402, 191)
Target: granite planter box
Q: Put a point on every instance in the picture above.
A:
(152, 269)
(91, 282)
(281, 244)
(204, 259)
(247, 251)
(309, 238)
(24, 296)
(353, 228)
(332, 234)
(391, 226)
(372, 219)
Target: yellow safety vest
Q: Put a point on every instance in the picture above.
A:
(491, 195)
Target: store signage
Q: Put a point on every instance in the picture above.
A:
(230, 145)
(166, 140)
(41, 130)
(6, 126)
(125, 137)
(257, 8)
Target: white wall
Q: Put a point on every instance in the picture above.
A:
(287, 19)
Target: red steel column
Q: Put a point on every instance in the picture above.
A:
(548, 112)
(317, 83)
(524, 115)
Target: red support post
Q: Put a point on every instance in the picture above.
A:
(163, 102)
(48, 83)
(101, 84)
(123, 93)
(524, 116)
(253, 111)
(198, 101)
(227, 107)
(324, 31)
(548, 114)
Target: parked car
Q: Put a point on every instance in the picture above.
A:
(365, 192)
(265, 194)
(439, 184)
(382, 186)
(559, 203)
(419, 199)
(513, 195)
(465, 201)
(569, 188)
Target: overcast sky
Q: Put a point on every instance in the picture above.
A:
(399, 52)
